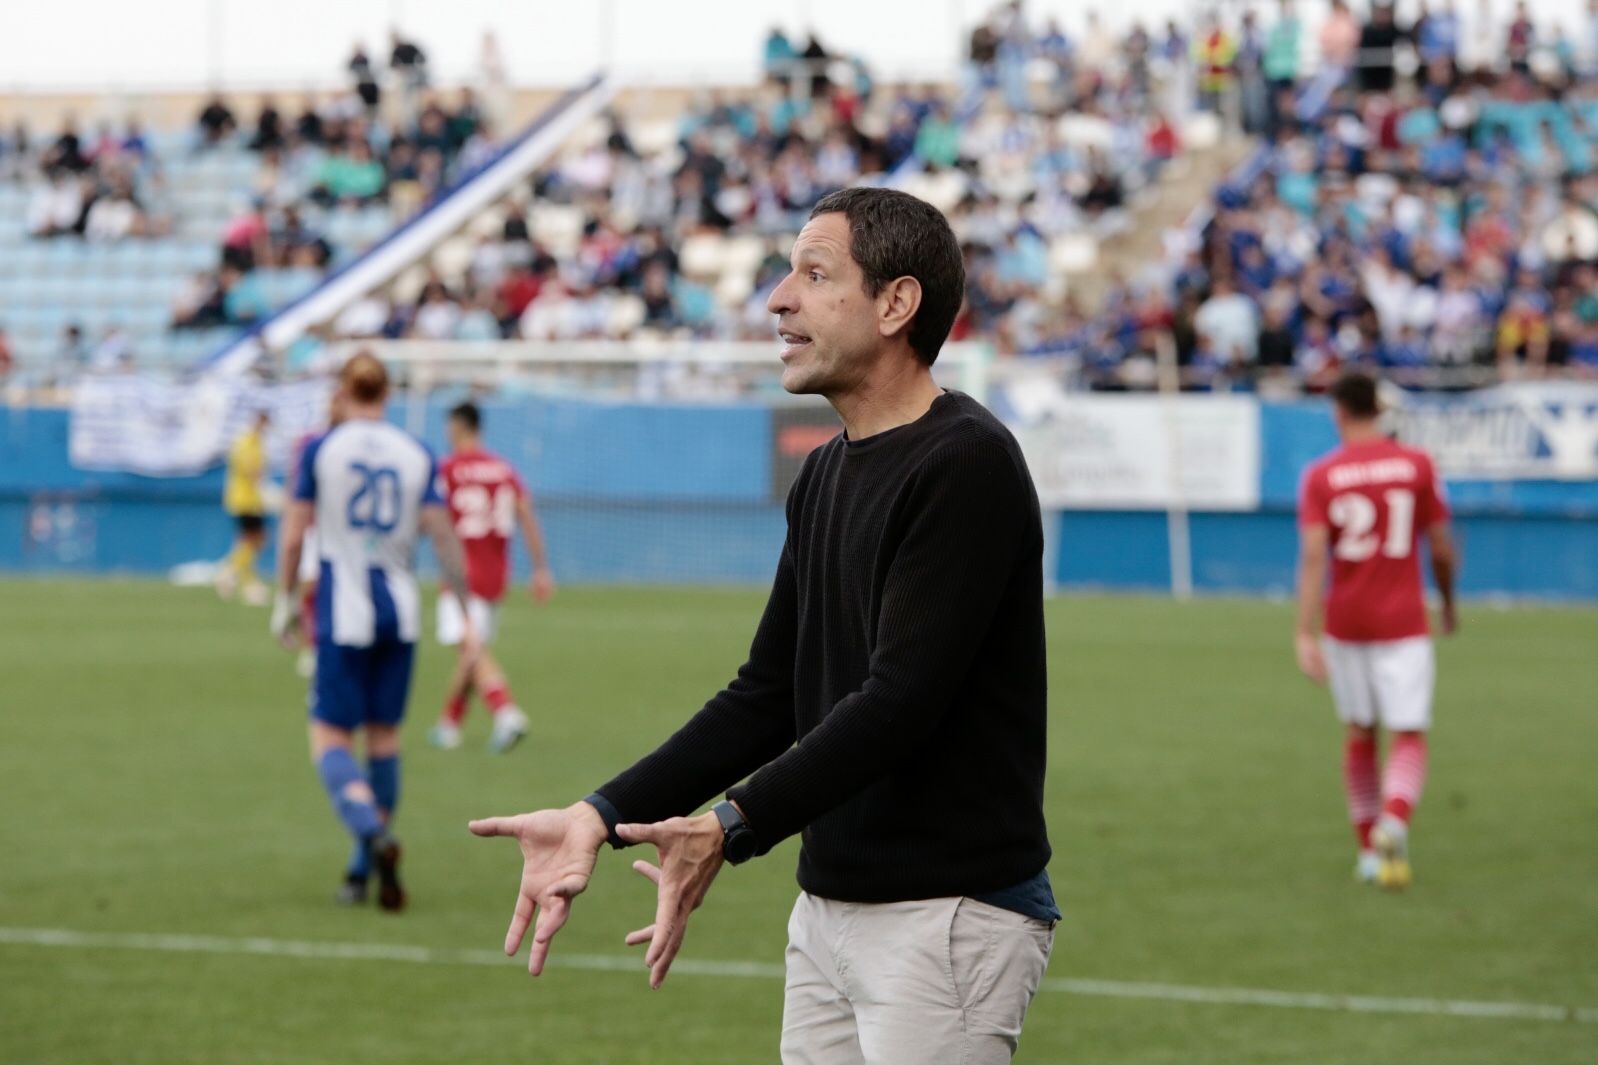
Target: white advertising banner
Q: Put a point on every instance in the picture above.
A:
(132, 424)
(1137, 452)
(1525, 431)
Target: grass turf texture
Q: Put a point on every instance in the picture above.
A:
(155, 780)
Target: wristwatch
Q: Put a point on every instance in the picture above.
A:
(738, 839)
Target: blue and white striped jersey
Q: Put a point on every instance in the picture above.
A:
(369, 481)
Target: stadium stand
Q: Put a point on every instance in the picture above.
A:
(1441, 226)
(190, 235)
(1443, 233)
(679, 225)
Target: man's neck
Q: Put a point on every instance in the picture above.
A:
(365, 412)
(1362, 432)
(896, 396)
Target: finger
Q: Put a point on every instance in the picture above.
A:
(666, 919)
(641, 833)
(551, 916)
(668, 954)
(643, 935)
(647, 869)
(520, 918)
(493, 826)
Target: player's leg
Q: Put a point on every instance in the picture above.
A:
(1348, 675)
(446, 733)
(247, 552)
(1405, 673)
(1362, 789)
(227, 575)
(333, 755)
(389, 686)
(383, 773)
(510, 724)
(338, 708)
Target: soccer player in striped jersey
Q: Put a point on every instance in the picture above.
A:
(371, 490)
(1362, 511)
(310, 557)
(487, 501)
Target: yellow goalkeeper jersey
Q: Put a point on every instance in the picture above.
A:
(246, 464)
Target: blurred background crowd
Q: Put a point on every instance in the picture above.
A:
(1413, 196)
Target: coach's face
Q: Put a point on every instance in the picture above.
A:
(826, 319)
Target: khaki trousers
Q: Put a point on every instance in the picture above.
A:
(933, 982)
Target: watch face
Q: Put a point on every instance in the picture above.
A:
(740, 845)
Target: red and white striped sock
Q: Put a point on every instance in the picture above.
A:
(497, 696)
(455, 709)
(1405, 775)
(1362, 784)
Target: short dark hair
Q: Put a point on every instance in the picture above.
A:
(893, 234)
(468, 415)
(1354, 392)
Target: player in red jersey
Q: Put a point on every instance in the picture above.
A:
(487, 501)
(1362, 510)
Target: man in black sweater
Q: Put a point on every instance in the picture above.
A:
(892, 708)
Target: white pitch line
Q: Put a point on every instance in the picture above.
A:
(398, 952)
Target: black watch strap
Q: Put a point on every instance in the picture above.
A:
(738, 843)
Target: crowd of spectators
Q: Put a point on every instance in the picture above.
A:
(345, 152)
(1423, 204)
(89, 187)
(1439, 226)
(388, 142)
(1016, 164)
(1424, 200)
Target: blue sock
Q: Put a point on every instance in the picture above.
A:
(338, 771)
(360, 861)
(384, 775)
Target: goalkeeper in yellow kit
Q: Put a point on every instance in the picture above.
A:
(244, 500)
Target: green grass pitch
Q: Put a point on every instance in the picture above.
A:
(154, 780)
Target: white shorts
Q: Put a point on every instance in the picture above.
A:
(450, 622)
(310, 558)
(1385, 682)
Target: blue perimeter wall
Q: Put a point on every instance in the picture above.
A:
(1524, 539)
(685, 494)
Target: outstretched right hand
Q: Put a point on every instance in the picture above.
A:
(559, 849)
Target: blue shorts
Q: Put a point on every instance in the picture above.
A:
(357, 686)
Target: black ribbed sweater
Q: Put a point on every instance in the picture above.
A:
(892, 707)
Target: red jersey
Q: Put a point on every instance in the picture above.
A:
(1375, 497)
(482, 490)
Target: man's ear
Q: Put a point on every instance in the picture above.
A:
(897, 305)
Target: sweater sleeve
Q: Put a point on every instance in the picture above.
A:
(967, 517)
(741, 728)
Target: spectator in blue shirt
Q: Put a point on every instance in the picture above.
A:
(779, 54)
(1438, 34)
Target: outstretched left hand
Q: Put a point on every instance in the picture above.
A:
(690, 858)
